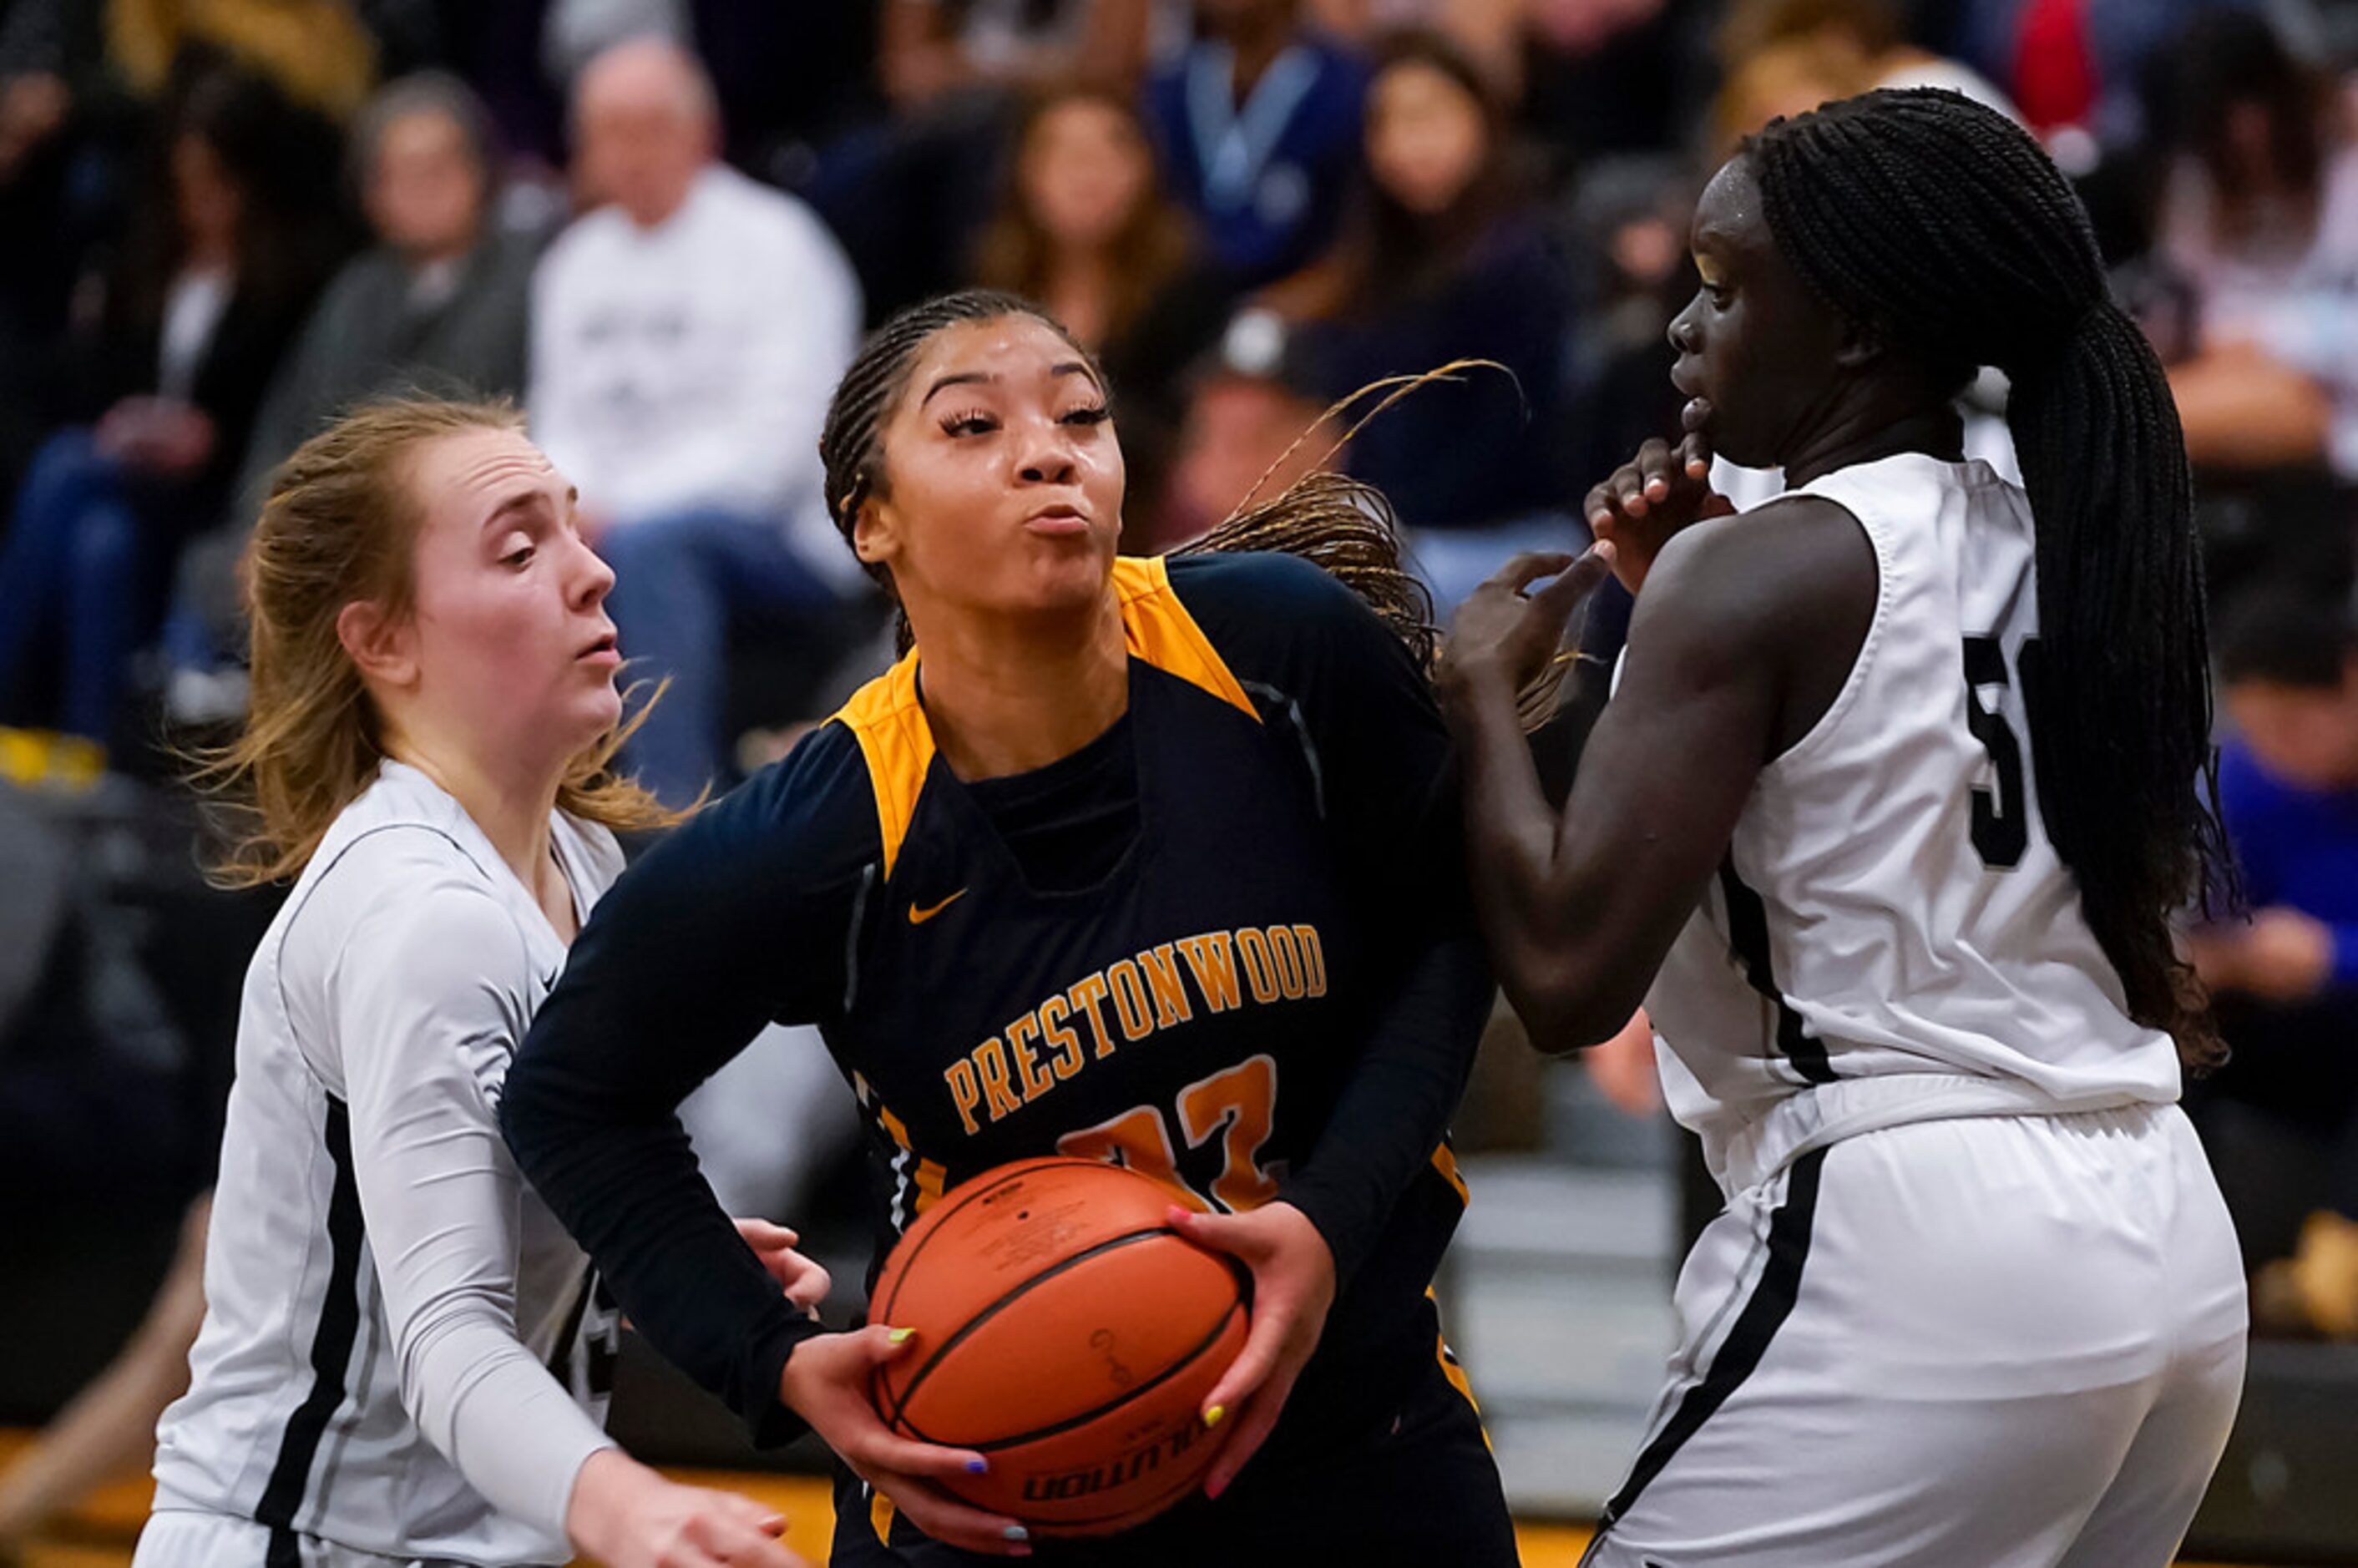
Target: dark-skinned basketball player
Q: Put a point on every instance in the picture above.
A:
(1884, 821)
(1146, 861)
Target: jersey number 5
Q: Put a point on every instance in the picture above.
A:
(2001, 815)
(1235, 1106)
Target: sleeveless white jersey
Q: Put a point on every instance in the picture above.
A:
(1892, 937)
(387, 1304)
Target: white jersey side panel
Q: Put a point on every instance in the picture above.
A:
(296, 1415)
(1892, 937)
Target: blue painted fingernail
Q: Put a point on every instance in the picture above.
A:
(1016, 1532)
(977, 1466)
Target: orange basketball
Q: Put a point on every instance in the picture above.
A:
(1066, 1332)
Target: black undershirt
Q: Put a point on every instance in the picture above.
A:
(1069, 824)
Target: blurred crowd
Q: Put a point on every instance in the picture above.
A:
(661, 225)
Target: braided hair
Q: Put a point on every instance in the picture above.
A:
(1939, 228)
(1340, 523)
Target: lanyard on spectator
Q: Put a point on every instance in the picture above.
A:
(1233, 145)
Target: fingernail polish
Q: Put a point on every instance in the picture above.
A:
(1016, 1532)
(977, 1466)
(902, 1336)
(1213, 1416)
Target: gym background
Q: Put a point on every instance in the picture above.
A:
(221, 220)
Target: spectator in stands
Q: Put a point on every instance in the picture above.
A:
(2259, 230)
(1446, 259)
(685, 339)
(1608, 78)
(439, 305)
(1868, 33)
(1783, 77)
(1085, 228)
(193, 325)
(1489, 32)
(1249, 430)
(931, 47)
(1257, 122)
(2282, 1117)
(2074, 67)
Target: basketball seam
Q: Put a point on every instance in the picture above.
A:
(966, 1329)
(1177, 1366)
(981, 1190)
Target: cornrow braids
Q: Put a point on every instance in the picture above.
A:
(1940, 229)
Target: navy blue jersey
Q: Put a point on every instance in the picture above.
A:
(1227, 944)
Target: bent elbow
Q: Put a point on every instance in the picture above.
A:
(1566, 1013)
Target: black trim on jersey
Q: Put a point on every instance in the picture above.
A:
(1764, 1312)
(1747, 934)
(560, 1357)
(331, 1351)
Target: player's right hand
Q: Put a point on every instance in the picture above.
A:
(627, 1516)
(1654, 495)
(827, 1383)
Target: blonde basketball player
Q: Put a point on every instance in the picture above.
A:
(404, 1358)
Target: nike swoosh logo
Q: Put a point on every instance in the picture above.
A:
(919, 916)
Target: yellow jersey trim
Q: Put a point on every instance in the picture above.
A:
(1159, 630)
(889, 722)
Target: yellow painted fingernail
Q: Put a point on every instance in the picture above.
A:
(902, 1336)
(1213, 1416)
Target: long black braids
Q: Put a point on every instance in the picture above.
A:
(1940, 229)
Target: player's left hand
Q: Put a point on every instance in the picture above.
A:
(804, 1283)
(1294, 1288)
(1506, 631)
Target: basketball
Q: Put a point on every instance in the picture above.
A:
(1068, 1334)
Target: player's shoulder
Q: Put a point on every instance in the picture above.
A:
(399, 859)
(809, 817)
(1772, 571)
(1263, 595)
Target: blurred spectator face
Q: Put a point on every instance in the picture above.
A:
(209, 202)
(425, 190)
(1083, 171)
(645, 129)
(1238, 427)
(1786, 79)
(2308, 736)
(1427, 136)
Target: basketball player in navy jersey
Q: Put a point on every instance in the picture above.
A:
(1892, 808)
(1148, 860)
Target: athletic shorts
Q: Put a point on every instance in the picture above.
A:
(2005, 1341)
(1417, 1486)
(196, 1538)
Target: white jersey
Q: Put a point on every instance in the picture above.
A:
(402, 1354)
(1892, 937)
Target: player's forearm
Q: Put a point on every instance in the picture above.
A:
(1396, 1105)
(627, 1187)
(1530, 902)
(497, 1415)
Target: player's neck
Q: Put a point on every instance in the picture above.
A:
(1864, 435)
(1009, 696)
(509, 801)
